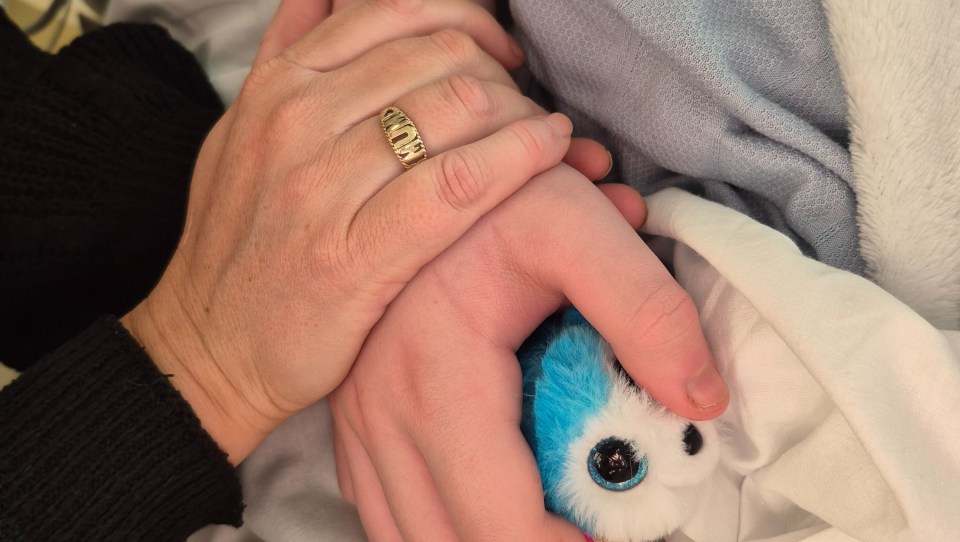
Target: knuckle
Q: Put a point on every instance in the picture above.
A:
(399, 7)
(334, 258)
(298, 114)
(264, 81)
(461, 178)
(468, 94)
(291, 194)
(339, 268)
(355, 251)
(286, 114)
(259, 76)
(457, 46)
(532, 107)
(528, 139)
(666, 311)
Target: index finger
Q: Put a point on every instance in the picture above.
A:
(357, 28)
(293, 20)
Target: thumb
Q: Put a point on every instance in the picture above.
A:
(627, 294)
(293, 20)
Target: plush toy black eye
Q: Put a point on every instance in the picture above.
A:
(613, 465)
(692, 440)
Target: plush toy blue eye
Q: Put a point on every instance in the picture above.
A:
(613, 465)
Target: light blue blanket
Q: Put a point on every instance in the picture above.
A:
(740, 102)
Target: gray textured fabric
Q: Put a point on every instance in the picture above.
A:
(741, 102)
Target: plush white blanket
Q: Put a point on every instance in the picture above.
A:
(901, 68)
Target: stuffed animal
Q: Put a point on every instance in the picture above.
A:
(612, 461)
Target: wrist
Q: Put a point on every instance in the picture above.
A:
(175, 344)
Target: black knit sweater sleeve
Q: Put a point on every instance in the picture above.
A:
(96, 151)
(95, 444)
(97, 146)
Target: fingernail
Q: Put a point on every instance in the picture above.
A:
(560, 123)
(610, 168)
(587, 537)
(707, 390)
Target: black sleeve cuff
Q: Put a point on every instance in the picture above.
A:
(95, 444)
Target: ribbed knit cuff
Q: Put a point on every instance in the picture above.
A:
(95, 444)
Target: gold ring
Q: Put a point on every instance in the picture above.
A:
(403, 137)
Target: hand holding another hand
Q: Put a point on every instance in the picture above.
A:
(427, 422)
(303, 226)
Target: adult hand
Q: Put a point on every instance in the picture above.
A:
(302, 225)
(427, 422)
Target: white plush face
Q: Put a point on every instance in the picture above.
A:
(667, 495)
(611, 460)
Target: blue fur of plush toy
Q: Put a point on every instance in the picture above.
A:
(561, 393)
(576, 401)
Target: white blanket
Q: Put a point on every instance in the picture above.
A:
(843, 422)
(901, 68)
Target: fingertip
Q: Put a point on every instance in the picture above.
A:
(518, 56)
(343, 472)
(494, 38)
(609, 166)
(589, 158)
(702, 396)
(708, 392)
(669, 357)
(560, 123)
(489, 5)
(628, 201)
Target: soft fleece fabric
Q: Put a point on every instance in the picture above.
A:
(901, 70)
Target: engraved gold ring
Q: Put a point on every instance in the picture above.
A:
(403, 137)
